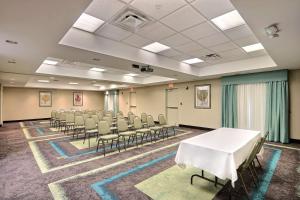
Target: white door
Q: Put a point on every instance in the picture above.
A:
(132, 101)
(172, 98)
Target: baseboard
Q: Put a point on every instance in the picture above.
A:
(295, 141)
(22, 120)
(196, 127)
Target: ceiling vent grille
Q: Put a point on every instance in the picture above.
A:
(131, 20)
(212, 56)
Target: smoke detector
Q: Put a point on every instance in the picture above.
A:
(131, 20)
(272, 30)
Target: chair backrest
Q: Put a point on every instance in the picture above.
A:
(131, 118)
(162, 119)
(108, 119)
(100, 115)
(95, 117)
(144, 117)
(122, 125)
(79, 121)
(150, 121)
(90, 123)
(137, 123)
(103, 128)
(53, 113)
(70, 117)
(62, 116)
(57, 115)
(252, 155)
(85, 116)
(77, 113)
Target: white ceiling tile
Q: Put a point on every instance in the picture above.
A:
(155, 31)
(137, 41)
(158, 8)
(200, 53)
(224, 47)
(127, 1)
(213, 40)
(175, 40)
(181, 57)
(190, 1)
(113, 32)
(235, 53)
(200, 31)
(213, 8)
(189, 47)
(246, 41)
(104, 9)
(183, 18)
(238, 32)
(170, 53)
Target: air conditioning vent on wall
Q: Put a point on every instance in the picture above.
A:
(131, 20)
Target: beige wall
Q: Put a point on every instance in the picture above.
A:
(23, 103)
(152, 100)
(294, 83)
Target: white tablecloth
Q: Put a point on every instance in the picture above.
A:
(219, 152)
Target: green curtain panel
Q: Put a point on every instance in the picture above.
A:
(229, 106)
(277, 122)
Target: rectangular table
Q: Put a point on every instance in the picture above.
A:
(219, 152)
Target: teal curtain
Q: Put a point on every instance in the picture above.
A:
(277, 111)
(229, 106)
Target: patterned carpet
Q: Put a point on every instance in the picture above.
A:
(38, 162)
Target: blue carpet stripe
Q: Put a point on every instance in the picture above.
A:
(260, 192)
(58, 149)
(105, 194)
(40, 131)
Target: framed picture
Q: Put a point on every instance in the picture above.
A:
(77, 99)
(202, 96)
(45, 99)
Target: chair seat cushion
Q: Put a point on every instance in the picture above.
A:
(78, 127)
(113, 128)
(127, 133)
(109, 137)
(167, 126)
(92, 131)
(143, 130)
(155, 128)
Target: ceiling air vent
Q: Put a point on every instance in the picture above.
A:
(131, 20)
(212, 56)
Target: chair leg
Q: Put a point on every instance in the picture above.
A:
(124, 141)
(174, 131)
(244, 185)
(258, 162)
(84, 137)
(97, 145)
(118, 144)
(136, 142)
(103, 144)
(253, 178)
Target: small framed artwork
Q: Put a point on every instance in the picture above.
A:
(202, 96)
(77, 99)
(45, 99)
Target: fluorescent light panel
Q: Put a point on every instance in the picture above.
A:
(156, 47)
(253, 47)
(131, 74)
(88, 23)
(229, 20)
(43, 81)
(96, 69)
(73, 83)
(50, 62)
(193, 61)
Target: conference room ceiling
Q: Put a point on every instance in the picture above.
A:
(44, 30)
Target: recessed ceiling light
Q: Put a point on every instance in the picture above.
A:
(73, 83)
(12, 79)
(131, 74)
(11, 82)
(88, 23)
(11, 42)
(97, 85)
(43, 81)
(50, 62)
(193, 61)
(229, 20)
(102, 88)
(113, 86)
(253, 47)
(156, 47)
(12, 61)
(96, 69)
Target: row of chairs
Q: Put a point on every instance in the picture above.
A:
(250, 166)
(107, 128)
